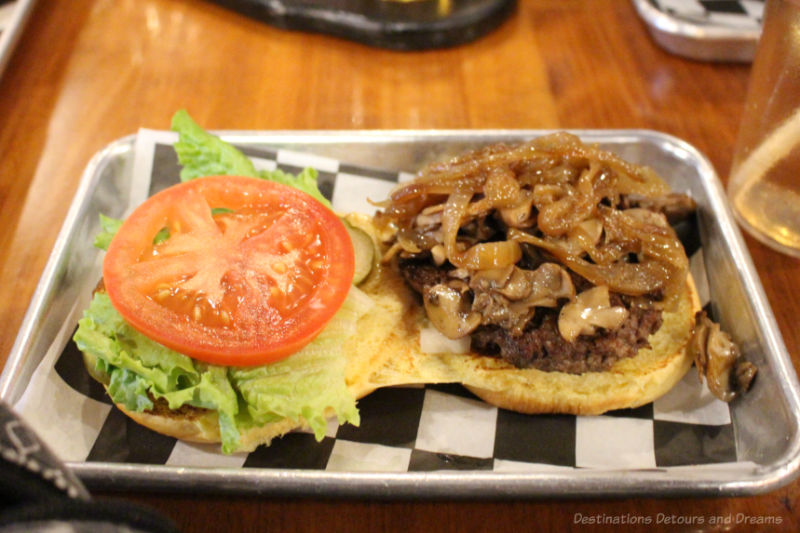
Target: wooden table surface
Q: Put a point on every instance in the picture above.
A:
(87, 72)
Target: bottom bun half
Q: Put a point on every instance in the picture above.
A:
(199, 425)
(630, 382)
(366, 351)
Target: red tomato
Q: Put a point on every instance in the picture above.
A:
(251, 270)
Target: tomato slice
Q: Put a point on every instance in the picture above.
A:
(230, 270)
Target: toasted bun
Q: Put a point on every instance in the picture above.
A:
(629, 383)
(366, 352)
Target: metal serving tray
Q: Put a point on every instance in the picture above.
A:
(717, 30)
(765, 421)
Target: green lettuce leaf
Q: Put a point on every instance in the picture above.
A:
(306, 181)
(309, 382)
(201, 153)
(129, 389)
(305, 387)
(137, 365)
(109, 227)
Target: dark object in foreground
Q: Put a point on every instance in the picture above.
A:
(394, 24)
(39, 494)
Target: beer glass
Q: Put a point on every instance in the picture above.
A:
(764, 184)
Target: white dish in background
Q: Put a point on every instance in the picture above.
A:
(716, 30)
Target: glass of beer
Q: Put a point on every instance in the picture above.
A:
(764, 184)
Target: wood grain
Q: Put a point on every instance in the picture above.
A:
(87, 72)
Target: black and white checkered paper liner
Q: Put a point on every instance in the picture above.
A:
(439, 427)
(730, 14)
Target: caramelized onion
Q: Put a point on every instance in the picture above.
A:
(489, 255)
(627, 278)
(453, 214)
(568, 201)
(519, 215)
(502, 188)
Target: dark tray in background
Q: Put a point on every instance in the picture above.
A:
(394, 24)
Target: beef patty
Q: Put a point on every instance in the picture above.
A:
(540, 345)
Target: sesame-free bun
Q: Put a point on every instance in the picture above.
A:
(366, 351)
(195, 424)
(630, 382)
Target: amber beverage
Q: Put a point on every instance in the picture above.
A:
(764, 184)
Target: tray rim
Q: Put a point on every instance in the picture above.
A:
(490, 485)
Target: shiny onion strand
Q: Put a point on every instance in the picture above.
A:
(553, 193)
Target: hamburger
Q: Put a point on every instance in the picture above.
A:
(545, 277)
